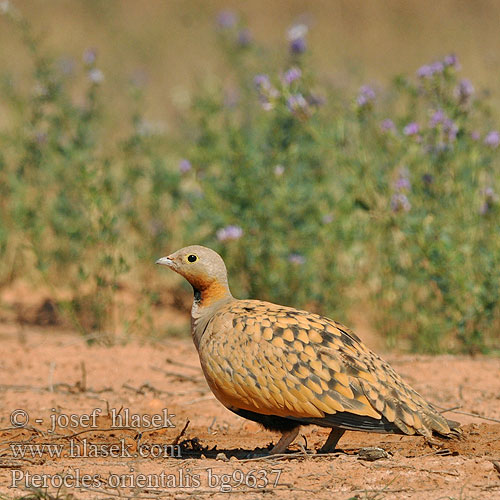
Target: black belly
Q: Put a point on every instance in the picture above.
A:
(270, 422)
(341, 420)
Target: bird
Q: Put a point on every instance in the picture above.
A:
(284, 368)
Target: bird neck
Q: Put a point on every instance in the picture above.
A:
(209, 294)
(206, 303)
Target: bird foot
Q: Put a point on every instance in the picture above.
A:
(331, 442)
(287, 438)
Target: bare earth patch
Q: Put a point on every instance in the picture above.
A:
(50, 374)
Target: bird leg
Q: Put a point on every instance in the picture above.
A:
(332, 440)
(287, 438)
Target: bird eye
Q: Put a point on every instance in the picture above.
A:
(192, 258)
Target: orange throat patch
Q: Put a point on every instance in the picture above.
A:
(213, 293)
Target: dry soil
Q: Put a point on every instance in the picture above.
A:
(207, 452)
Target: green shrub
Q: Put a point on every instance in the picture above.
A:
(387, 198)
(316, 197)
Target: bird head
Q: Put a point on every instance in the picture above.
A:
(203, 268)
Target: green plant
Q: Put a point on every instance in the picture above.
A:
(314, 196)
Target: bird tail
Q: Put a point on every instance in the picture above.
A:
(455, 431)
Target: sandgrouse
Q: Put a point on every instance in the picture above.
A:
(283, 367)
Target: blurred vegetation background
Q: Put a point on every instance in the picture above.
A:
(172, 44)
(341, 155)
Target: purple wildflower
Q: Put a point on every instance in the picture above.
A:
(226, 19)
(402, 182)
(489, 193)
(451, 60)
(413, 128)
(464, 90)
(425, 71)
(387, 125)
(262, 82)
(297, 104)
(449, 126)
(400, 203)
(291, 75)
(298, 46)
(492, 139)
(429, 70)
(475, 135)
(327, 218)
(267, 93)
(244, 37)
(490, 199)
(297, 259)
(437, 118)
(229, 233)
(366, 96)
(451, 129)
(437, 67)
(296, 37)
(90, 56)
(184, 166)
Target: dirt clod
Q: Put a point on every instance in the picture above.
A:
(372, 454)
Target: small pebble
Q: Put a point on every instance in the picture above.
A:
(222, 457)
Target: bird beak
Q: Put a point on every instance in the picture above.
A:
(165, 261)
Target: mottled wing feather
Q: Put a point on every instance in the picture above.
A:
(276, 360)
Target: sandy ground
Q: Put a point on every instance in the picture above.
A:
(49, 375)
